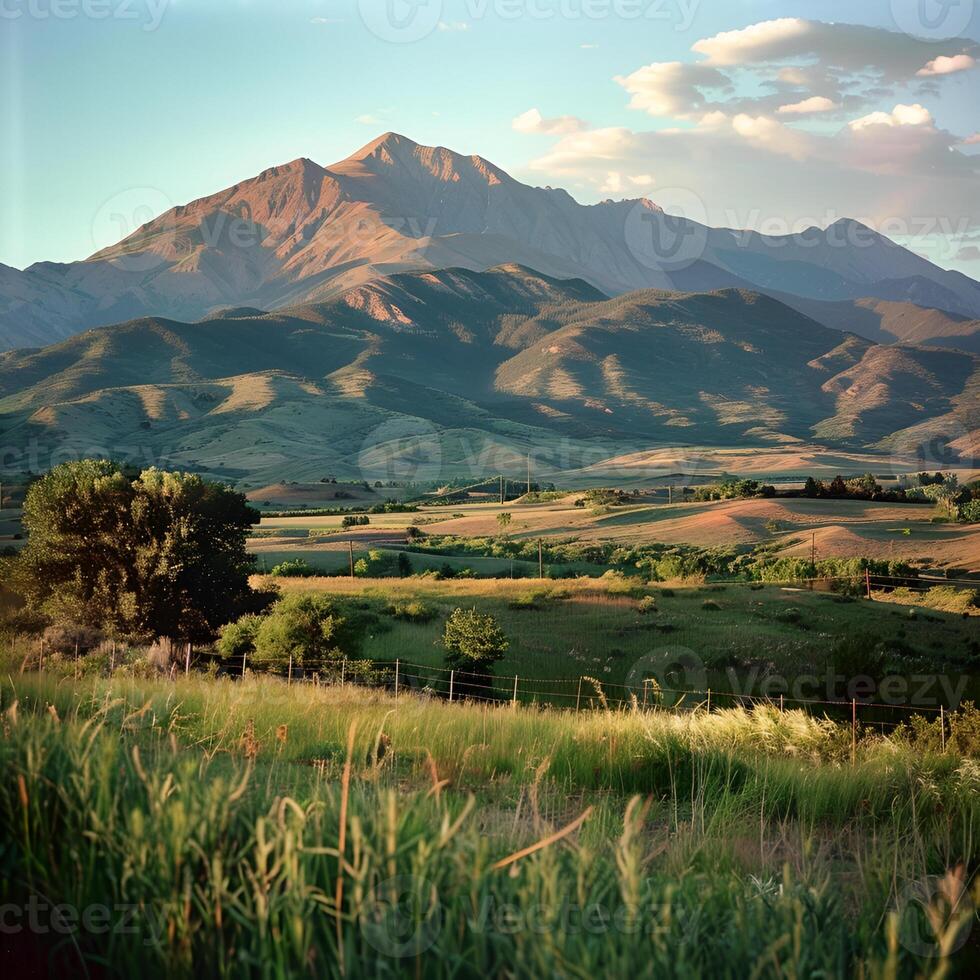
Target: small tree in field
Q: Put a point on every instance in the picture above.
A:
(504, 520)
(474, 642)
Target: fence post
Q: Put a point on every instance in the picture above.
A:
(452, 675)
(854, 730)
(187, 660)
(396, 678)
(646, 687)
(244, 659)
(867, 582)
(578, 697)
(515, 691)
(112, 658)
(942, 726)
(780, 703)
(289, 676)
(709, 700)
(343, 672)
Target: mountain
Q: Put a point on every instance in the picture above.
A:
(455, 372)
(303, 233)
(889, 322)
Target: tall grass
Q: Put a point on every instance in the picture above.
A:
(255, 829)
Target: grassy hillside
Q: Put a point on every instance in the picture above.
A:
(460, 373)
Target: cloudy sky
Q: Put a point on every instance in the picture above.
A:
(746, 113)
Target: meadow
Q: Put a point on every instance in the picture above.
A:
(249, 828)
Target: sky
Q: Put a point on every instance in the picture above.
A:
(744, 113)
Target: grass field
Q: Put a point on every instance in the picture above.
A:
(248, 828)
(767, 640)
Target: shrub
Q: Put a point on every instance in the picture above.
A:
(293, 568)
(710, 605)
(647, 605)
(413, 611)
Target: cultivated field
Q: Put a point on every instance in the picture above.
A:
(835, 528)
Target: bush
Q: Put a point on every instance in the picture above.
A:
(294, 568)
(414, 611)
(710, 605)
(647, 605)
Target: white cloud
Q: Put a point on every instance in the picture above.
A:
(944, 65)
(453, 25)
(533, 122)
(368, 120)
(850, 47)
(971, 140)
(816, 103)
(326, 20)
(758, 42)
(771, 134)
(588, 47)
(673, 88)
(901, 115)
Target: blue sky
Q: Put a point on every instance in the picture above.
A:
(770, 115)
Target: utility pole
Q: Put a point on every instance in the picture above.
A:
(501, 488)
(540, 561)
(350, 550)
(670, 493)
(528, 473)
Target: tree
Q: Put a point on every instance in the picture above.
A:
(504, 519)
(838, 488)
(474, 641)
(813, 488)
(147, 555)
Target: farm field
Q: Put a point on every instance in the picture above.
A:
(836, 528)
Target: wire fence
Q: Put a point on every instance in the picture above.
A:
(402, 678)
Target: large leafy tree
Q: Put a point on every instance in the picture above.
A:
(158, 554)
